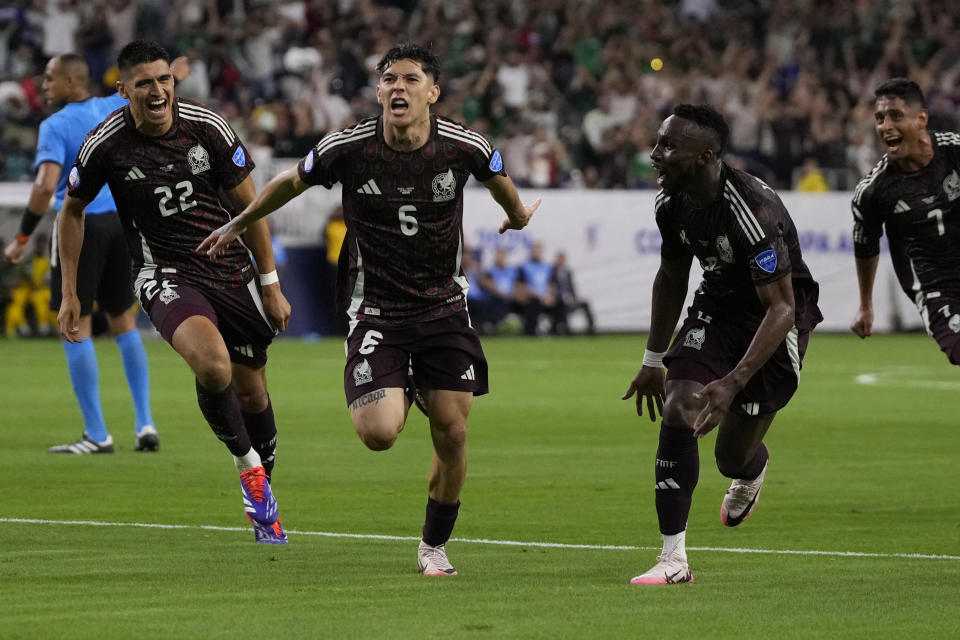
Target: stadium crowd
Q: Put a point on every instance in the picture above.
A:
(566, 88)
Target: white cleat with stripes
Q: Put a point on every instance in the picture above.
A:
(84, 445)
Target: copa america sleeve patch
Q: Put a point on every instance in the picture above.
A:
(496, 162)
(239, 158)
(308, 162)
(74, 178)
(767, 260)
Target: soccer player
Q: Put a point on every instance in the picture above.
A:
(400, 277)
(104, 272)
(912, 192)
(167, 160)
(736, 359)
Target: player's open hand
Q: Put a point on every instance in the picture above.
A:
(863, 323)
(276, 307)
(519, 222)
(217, 242)
(14, 252)
(69, 319)
(716, 398)
(649, 384)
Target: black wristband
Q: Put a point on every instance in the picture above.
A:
(29, 222)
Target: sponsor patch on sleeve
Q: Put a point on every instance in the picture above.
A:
(767, 261)
(496, 162)
(308, 162)
(74, 178)
(239, 158)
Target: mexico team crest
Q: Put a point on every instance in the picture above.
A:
(168, 295)
(362, 373)
(695, 337)
(954, 323)
(199, 160)
(951, 186)
(444, 186)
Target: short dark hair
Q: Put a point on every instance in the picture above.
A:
(707, 117)
(140, 52)
(429, 61)
(903, 88)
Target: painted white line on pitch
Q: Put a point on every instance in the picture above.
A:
(889, 379)
(509, 543)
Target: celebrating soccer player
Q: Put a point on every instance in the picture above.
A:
(166, 161)
(104, 275)
(400, 277)
(736, 359)
(912, 192)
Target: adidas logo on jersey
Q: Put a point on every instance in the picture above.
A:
(468, 374)
(370, 188)
(134, 174)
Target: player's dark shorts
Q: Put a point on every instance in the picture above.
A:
(103, 272)
(442, 354)
(941, 317)
(237, 313)
(709, 346)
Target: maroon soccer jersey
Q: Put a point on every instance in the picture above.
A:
(168, 191)
(743, 240)
(400, 261)
(921, 214)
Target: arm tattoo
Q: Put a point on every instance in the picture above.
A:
(369, 398)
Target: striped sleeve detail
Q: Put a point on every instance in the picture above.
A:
(947, 139)
(662, 199)
(109, 127)
(337, 138)
(748, 222)
(457, 132)
(197, 113)
(869, 180)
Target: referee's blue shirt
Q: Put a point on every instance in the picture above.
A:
(61, 136)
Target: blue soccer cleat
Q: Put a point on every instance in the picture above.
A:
(268, 533)
(258, 500)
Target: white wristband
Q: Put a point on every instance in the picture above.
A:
(653, 358)
(269, 278)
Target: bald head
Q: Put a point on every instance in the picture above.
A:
(66, 79)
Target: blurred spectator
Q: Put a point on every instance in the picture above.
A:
(537, 292)
(567, 300)
(28, 311)
(811, 177)
(500, 283)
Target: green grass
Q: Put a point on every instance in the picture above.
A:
(555, 456)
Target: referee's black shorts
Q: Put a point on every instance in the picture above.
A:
(104, 273)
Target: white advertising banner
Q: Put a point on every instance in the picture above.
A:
(613, 247)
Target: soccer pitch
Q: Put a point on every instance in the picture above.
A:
(857, 532)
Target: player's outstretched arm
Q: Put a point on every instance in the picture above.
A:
(777, 297)
(70, 241)
(505, 193)
(257, 238)
(862, 324)
(44, 186)
(669, 293)
(283, 188)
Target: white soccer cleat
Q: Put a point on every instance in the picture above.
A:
(432, 561)
(668, 570)
(741, 499)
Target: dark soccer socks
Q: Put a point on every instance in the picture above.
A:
(222, 412)
(262, 429)
(677, 473)
(438, 526)
(754, 467)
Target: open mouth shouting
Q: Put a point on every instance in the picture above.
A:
(157, 108)
(893, 142)
(399, 106)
